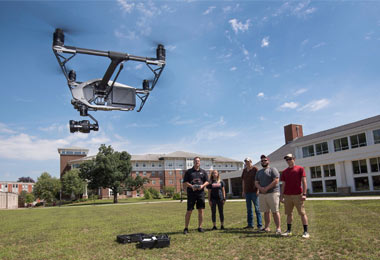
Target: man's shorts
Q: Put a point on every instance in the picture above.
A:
(195, 199)
(292, 201)
(269, 202)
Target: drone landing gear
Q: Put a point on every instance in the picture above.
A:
(83, 126)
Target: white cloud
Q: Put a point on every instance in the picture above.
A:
(319, 45)
(125, 6)
(170, 47)
(301, 9)
(178, 121)
(261, 94)
(209, 10)
(233, 68)
(212, 131)
(139, 66)
(54, 128)
(5, 129)
(300, 91)
(265, 42)
(315, 105)
(239, 26)
(262, 118)
(130, 35)
(289, 105)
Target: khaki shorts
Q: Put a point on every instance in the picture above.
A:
(269, 202)
(292, 201)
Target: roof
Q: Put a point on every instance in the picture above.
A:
(146, 157)
(224, 159)
(289, 148)
(339, 129)
(181, 154)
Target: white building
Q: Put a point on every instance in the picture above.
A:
(341, 160)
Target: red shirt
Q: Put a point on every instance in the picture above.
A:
(292, 178)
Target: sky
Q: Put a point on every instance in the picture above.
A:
(236, 73)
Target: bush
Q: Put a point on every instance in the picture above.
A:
(169, 191)
(147, 195)
(155, 193)
(177, 196)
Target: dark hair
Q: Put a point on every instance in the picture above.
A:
(196, 158)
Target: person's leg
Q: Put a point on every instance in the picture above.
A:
(200, 217)
(301, 211)
(289, 205)
(266, 220)
(255, 199)
(187, 218)
(221, 214)
(277, 220)
(213, 212)
(274, 204)
(248, 202)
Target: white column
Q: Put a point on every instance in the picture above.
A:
(229, 186)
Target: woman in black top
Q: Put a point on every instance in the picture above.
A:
(216, 196)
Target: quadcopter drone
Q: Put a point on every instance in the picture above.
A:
(104, 93)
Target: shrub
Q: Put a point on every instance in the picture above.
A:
(177, 196)
(147, 195)
(155, 193)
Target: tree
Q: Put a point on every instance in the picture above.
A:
(25, 179)
(110, 169)
(47, 187)
(72, 184)
(135, 183)
(169, 191)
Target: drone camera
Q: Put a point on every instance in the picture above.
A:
(160, 52)
(83, 126)
(58, 37)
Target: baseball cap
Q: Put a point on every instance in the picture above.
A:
(289, 155)
(247, 159)
(263, 156)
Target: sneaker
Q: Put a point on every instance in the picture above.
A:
(305, 235)
(264, 230)
(215, 228)
(278, 232)
(200, 230)
(287, 233)
(248, 227)
(222, 227)
(185, 231)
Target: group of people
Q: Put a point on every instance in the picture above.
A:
(259, 187)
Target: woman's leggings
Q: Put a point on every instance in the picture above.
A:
(220, 209)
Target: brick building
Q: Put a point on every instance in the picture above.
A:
(163, 170)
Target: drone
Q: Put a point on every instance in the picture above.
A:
(104, 93)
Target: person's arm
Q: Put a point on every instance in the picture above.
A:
(243, 191)
(209, 197)
(224, 194)
(271, 185)
(282, 192)
(304, 188)
(261, 189)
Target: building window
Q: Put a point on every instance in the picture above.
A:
(358, 140)
(159, 165)
(144, 173)
(330, 185)
(170, 173)
(361, 184)
(308, 151)
(321, 148)
(341, 144)
(329, 170)
(359, 167)
(376, 136)
(170, 181)
(144, 164)
(152, 174)
(376, 182)
(161, 181)
(317, 186)
(375, 164)
(153, 182)
(316, 172)
(152, 165)
(137, 165)
(137, 174)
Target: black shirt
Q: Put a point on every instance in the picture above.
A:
(216, 189)
(193, 176)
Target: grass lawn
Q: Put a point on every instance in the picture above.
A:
(339, 230)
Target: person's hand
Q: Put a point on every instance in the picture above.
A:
(303, 197)
(224, 201)
(282, 198)
(210, 203)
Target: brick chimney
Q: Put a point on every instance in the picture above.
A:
(292, 132)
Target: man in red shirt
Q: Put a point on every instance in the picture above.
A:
(293, 193)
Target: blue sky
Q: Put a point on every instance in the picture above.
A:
(236, 73)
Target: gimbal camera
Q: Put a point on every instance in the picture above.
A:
(104, 93)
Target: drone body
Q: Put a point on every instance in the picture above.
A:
(104, 93)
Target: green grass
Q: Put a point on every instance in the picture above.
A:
(339, 230)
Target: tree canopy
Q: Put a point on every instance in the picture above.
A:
(47, 187)
(110, 169)
(72, 184)
(25, 179)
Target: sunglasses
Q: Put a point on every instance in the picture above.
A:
(288, 159)
(264, 160)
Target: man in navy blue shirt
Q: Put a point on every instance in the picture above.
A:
(195, 180)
